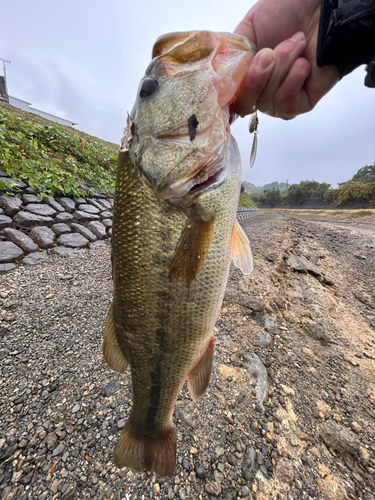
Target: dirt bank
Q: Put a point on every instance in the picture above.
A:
(306, 433)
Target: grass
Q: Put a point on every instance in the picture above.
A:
(52, 158)
(245, 201)
(361, 213)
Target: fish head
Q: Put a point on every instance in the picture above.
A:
(180, 123)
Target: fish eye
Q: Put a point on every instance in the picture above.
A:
(148, 87)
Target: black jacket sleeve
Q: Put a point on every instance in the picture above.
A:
(347, 36)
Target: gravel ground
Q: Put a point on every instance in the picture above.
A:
(308, 432)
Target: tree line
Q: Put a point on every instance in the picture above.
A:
(358, 190)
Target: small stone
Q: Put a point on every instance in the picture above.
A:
(97, 244)
(89, 209)
(201, 473)
(110, 389)
(186, 464)
(220, 467)
(9, 252)
(212, 488)
(29, 198)
(244, 491)
(120, 423)
(18, 184)
(27, 220)
(68, 252)
(356, 427)
(106, 215)
(75, 408)
(105, 204)
(20, 239)
(98, 229)
(107, 223)
(81, 216)
(44, 237)
(303, 265)
(54, 204)
(156, 488)
(40, 209)
(35, 258)
(5, 222)
(58, 450)
(78, 228)
(79, 200)
(51, 440)
(72, 240)
(60, 228)
(68, 204)
(339, 438)
(287, 390)
(5, 268)
(302, 436)
(94, 203)
(10, 204)
(64, 217)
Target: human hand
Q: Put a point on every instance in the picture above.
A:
(283, 79)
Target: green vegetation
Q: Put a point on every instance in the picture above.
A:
(349, 193)
(365, 174)
(245, 200)
(352, 192)
(55, 159)
(361, 213)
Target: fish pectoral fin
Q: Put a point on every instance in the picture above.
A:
(192, 250)
(199, 377)
(240, 250)
(112, 353)
(153, 453)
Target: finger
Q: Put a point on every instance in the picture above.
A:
(246, 27)
(254, 82)
(286, 54)
(291, 99)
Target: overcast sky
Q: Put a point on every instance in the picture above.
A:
(83, 60)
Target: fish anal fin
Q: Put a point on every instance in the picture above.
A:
(112, 353)
(199, 377)
(152, 453)
(192, 250)
(240, 250)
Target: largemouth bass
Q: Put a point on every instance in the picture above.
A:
(174, 234)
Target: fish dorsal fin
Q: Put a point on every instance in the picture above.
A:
(240, 250)
(112, 353)
(199, 377)
(192, 250)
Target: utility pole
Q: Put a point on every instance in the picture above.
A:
(5, 76)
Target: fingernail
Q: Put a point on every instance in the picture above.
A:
(298, 37)
(265, 60)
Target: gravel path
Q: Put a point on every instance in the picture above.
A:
(307, 431)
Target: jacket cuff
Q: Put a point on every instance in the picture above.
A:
(347, 36)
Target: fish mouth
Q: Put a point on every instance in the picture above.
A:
(208, 173)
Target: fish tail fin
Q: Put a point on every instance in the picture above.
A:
(199, 377)
(152, 453)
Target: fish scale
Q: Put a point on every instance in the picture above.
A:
(174, 234)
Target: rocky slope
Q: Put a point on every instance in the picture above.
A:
(290, 410)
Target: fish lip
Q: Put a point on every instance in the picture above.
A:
(211, 182)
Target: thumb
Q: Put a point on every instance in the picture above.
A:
(254, 81)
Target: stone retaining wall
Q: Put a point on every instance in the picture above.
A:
(30, 229)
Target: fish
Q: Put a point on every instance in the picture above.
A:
(174, 234)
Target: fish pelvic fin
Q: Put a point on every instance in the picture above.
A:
(152, 453)
(199, 377)
(240, 250)
(192, 249)
(112, 352)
